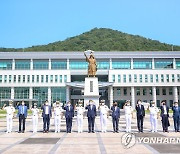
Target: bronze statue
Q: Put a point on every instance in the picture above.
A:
(92, 67)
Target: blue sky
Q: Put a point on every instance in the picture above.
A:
(24, 23)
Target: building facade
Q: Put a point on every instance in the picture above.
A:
(40, 76)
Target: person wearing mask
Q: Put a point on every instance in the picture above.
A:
(128, 115)
(103, 116)
(22, 114)
(140, 112)
(115, 117)
(46, 114)
(165, 116)
(69, 116)
(80, 111)
(35, 115)
(153, 116)
(57, 116)
(9, 115)
(91, 114)
(176, 116)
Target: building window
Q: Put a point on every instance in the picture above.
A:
(125, 91)
(171, 103)
(24, 78)
(78, 65)
(0, 78)
(162, 78)
(164, 91)
(140, 77)
(119, 78)
(167, 77)
(40, 64)
(65, 78)
(32, 78)
(138, 93)
(60, 78)
(113, 78)
(124, 78)
(151, 76)
(28, 78)
(119, 92)
(135, 78)
(177, 63)
(170, 91)
(173, 78)
(10, 78)
(14, 78)
(19, 78)
(21, 93)
(121, 64)
(146, 78)
(56, 78)
(46, 78)
(157, 78)
(150, 91)
(51, 78)
(5, 64)
(157, 91)
(144, 91)
(42, 78)
(103, 65)
(58, 65)
(22, 64)
(58, 94)
(158, 103)
(40, 94)
(142, 64)
(37, 78)
(178, 77)
(163, 63)
(5, 92)
(130, 78)
(5, 78)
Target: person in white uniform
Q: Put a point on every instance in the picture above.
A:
(80, 111)
(128, 115)
(154, 111)
(57, 116)
(35, 115)
(9, 116)
(103, 116)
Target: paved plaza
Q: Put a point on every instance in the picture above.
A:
(81, 143)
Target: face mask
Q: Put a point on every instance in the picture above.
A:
(91, 103)
(176, 105)
(102, 104)
(152, 105)
(80, 105)
(57, 105)
(128, 104)
(10, 104)
(69, 104)
(46, 103)
(22, 103)
(35, 106)
(139, 103)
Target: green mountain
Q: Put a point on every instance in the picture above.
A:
(102, 39)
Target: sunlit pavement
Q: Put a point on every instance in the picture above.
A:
(85, 142)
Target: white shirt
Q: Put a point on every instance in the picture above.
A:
(35, 111)
(165, 110)
(46, 109)
(153, 110)
(10, 110)
(103, 110)
(80, 110)
(57, 111)
(128, 109)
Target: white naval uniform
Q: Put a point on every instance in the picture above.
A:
(9, 117)
(128, 117)
(57, 118)
(35, 112)
(153, 118)
(103, 117)
(80, 111)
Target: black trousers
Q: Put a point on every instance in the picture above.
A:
(91, 121)
(165, 122)
(176, 123)
(140, 120)
(115, 123)
(22, 119)
(68, 124)
(46, 122)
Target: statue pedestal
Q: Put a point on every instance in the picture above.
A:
(91, 90)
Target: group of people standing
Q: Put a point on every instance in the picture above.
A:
(91, 110)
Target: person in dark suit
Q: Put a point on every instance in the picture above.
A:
(140, 112)
(91, 114)
(176, 116)
(69, 116)
(165, 116)
(46, 114)
(115, 117)
(22, 114)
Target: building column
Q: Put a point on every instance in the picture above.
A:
(153, 66)
(131, 63)
(110, 64)
(175, 94)
(30, 96)
(67, 93)
(67, 64)
(133, 97)
(110, 95)
(174, 63)
(154, 94)
(12, 93)
(13, 64)
(49, 95)
(49, 64)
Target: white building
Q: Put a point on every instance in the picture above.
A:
(40, 76)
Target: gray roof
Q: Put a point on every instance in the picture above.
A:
(80, 55)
